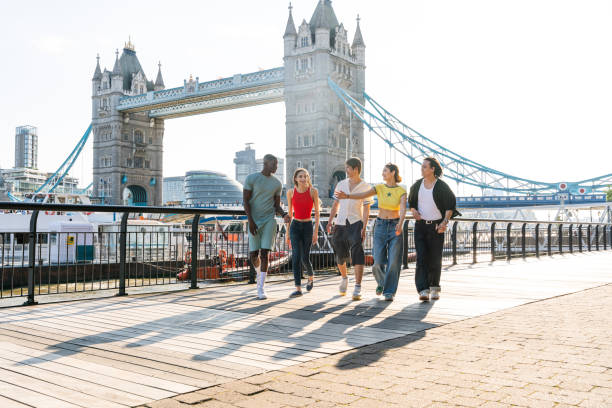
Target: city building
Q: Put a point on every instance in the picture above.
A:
(245, 163)
(26, 147)
(280, 172)
(20, 181)
(173, 190)
(211, 187)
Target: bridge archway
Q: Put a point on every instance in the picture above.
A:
(135, 195)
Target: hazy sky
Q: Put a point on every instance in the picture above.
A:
(523, 86)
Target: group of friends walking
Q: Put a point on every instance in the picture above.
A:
(430, 201)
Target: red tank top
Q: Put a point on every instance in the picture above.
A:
(302, 204)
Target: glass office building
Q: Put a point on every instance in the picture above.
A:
(211, 187)
(26, 147)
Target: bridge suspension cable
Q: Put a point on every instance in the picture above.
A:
(411, 144)
(56, 178)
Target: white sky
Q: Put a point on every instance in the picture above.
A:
(523, 86)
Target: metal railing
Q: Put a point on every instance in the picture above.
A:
(136, 253)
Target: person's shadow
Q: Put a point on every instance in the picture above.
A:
(366, 355)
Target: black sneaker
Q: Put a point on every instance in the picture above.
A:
(297, 293)
(379, 290)
(309, 285)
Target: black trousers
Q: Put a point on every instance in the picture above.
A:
(429, 244)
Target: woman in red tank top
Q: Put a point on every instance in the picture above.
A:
(302, 232)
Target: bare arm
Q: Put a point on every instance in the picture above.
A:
(402, 215)
(246, 197)
(357, 196)
(365, 219)
(444, 223)
(317, 210)
(278, 209)
(290, 206)
(332, 214)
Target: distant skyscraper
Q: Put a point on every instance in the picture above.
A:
(245, 163)
(173, 190)
(26, 147)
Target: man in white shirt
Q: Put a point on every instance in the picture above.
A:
(350, 225)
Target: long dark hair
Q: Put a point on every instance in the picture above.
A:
(435, 164)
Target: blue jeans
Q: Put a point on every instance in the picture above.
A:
(387, 255)
(300, 234)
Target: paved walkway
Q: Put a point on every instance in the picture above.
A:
(221, 348)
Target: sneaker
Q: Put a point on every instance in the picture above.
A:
(309, 285)
(434, 293)
(357, 292)
(424, 295)
(261, 294)
(379, 290)
(389, 297)
(343, 286)
(295, 294)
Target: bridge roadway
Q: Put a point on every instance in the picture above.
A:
(131, 351)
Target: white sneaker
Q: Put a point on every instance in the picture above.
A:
(261, 280)
(357, 292)
(343, 286)
(424, 295)
(434, 293)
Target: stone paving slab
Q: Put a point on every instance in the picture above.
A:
(550, 353)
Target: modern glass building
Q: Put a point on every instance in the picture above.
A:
(211, 187)
(173, 190)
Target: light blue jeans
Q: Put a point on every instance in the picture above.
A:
(387, 255)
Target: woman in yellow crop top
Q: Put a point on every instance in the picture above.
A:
(388, 238)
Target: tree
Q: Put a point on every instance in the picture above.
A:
(609, 194)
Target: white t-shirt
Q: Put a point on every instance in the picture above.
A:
(427, 206)
(352, 209)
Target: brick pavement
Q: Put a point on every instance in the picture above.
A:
(552, 353)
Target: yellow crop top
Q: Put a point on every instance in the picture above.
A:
(389, 198)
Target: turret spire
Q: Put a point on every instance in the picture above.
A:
(159, 82)
(358, 39)
(97, 72)
(290, 29)
(117, 67)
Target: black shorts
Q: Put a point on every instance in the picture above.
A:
(347, 243)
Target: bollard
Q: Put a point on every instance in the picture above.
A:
(474, 242)
(493, 242)
(405, 244)
(122, 253)
(195, 240)
(454, 242)
(32, 259)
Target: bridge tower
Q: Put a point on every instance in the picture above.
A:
(127, 159)
(320, 132)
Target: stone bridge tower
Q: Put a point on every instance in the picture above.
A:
(127, 159)
(320, 132)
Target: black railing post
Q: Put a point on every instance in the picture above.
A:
(560, 238)
(597, 237)
(508, 239)
(492, 242)
(475, 242)
(605, 237)
(523, 252)
(537, 240)
(31, 259)
(549, 244)
(580, 238)
(122, 253)
(405, 244)
(454, 241)
(589, 237)
(195, 241)
(571, 238)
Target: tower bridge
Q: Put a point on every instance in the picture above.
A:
(322, 84)
(128, 110)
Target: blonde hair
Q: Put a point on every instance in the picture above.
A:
(295, 174)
